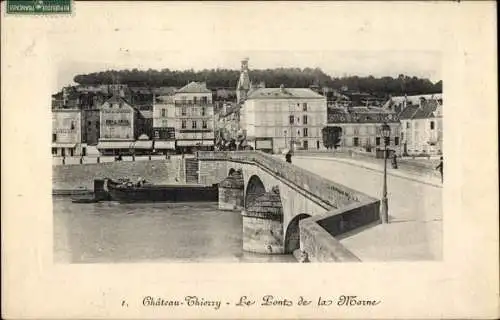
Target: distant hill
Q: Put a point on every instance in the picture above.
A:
(290, 77)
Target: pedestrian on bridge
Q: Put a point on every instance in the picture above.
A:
(394, 161)
(440, 168)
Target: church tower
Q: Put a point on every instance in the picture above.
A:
(243, 82)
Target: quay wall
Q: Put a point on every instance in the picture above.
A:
(72, 176)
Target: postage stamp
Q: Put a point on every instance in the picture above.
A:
(38, 6)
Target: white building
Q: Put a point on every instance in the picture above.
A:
(275, 119)
(422, 127)
(194, 113)
(164, 122)
(66, 133)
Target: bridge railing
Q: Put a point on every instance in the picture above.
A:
(330, 192)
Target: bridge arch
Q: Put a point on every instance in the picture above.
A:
(255, 188)
(292, 235)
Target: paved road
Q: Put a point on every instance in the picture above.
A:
(415, 213)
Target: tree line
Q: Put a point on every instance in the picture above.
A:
(290, 77)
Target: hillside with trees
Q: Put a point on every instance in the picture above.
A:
(290, 77)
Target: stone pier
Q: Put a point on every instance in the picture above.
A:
(231, 191)
(263, 224)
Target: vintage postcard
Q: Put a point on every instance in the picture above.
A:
(249, 160)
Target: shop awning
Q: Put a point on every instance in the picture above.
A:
(63, 145)
(143, 144)
(115, 145)
(165, 145)
(193, 143)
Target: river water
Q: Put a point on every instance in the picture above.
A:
(110, 232)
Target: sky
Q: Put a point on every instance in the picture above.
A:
(181, 36)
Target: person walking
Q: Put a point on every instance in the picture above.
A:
(394, 161)
(288, 157)
(440, 168)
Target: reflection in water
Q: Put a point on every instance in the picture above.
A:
(110, 232)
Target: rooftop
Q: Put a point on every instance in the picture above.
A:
(284, 93)
(194, 87)
(426, 109)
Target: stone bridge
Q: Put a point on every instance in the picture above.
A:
(274, 196)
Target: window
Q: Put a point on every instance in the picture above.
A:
(163, 112)
(203, 111)
(54, 151)
(305, 132)
(204, 124)
(396, 141)
(304, 106)
(193, 124)
(183, 111)
(432, 125)
(377, 141)
(408, 125)
(54, 137)
(97, 125)
(355, 141)
(387, 140)
(306, 145)
(89, 123)
(157, 134)
(402, 135)
(292, 118)
(195, 100)
(183, 124)
(304, 119)
(204, 100)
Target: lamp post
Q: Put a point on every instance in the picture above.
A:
(384, 214)
(286, 144)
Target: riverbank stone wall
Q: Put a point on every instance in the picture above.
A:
(83, 175)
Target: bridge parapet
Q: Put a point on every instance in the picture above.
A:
(333, 194)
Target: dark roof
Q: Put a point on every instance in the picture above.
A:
(422, 111)
(408, 112)
(194, 87)
(361, 115)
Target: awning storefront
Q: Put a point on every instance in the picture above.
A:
(193, 143)
(143, 144)
(115, 145)
(63, 145)
(165, 145)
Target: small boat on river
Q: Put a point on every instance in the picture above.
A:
(126, 192)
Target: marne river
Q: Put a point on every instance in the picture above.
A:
(110, 232)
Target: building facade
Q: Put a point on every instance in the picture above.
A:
(117, 131)
(66, 133)
(91, 126)
(164, 123)
(274, 119)
(360, 128)
(194, 113)
(422, 127)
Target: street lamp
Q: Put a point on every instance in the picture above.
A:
(286, 144)
(384, 214)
